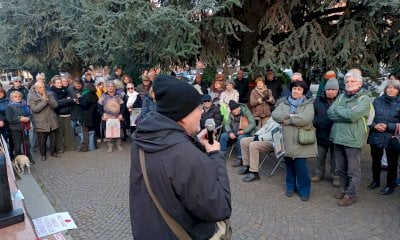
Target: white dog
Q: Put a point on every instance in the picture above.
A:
(20, 162)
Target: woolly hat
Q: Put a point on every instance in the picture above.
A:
(332, 84)
(330, 74)
(206, 97)
(233, 105)
(175, 98)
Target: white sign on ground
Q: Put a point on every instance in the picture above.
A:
(53, 223)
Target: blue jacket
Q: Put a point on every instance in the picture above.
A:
(387, 110)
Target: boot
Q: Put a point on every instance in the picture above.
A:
(238, 163)
(120, 148)
(251, 176)
(373, 185)
(243, 170)
(346, 201)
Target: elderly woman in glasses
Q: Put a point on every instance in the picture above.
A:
(43, 104)
(132, 100)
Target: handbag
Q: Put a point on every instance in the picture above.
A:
(394, 142)
(307, 136)
(223, 228)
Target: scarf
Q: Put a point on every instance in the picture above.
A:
(131, 98)
(22, 105)
(261, 91)
(294, 104)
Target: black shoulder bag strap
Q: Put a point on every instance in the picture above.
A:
(177, 229)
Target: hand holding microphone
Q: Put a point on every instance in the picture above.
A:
(210, 126)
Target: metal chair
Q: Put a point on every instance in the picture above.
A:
(278, 162)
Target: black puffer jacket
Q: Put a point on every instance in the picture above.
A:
(387, 110)
(214, 113)
(88, 103)
(63, 99)
(192, 186)
(322, 122)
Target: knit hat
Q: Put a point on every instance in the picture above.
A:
(206, 97)
(233, 105)
(332, 84)
(330, 74)
(175, 98)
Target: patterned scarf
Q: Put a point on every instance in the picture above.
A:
(294, 104)
(22, 105)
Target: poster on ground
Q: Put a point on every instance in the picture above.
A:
(53, 223)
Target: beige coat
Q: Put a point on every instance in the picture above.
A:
(43, 114)
(303, 118)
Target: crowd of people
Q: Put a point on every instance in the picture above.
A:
(336, 116)
(47, 115)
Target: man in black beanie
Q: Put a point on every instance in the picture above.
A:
(240, 124)
(186, 173)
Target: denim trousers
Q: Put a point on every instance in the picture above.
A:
(224, 142)
(348, 161)
(297, 177)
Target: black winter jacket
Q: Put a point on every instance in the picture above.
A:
(387, 110)
(242, 86)
(192, 186)
(322, 122)
(88, 103)
(64, 100)
(214, 113)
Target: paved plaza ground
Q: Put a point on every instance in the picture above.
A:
(93, 188)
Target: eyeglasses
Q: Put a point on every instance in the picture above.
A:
(17, 81)
(129, 88)
(206, 100)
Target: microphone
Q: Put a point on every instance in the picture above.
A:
(210, 125)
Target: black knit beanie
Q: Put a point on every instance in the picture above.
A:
(175, 98)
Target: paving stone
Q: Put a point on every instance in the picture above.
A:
(94, 186)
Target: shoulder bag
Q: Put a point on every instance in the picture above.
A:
(307, 136)
(223, 228)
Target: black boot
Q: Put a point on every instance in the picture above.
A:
(243, 170)
(386, 191)
(373, 185)
(251, 176)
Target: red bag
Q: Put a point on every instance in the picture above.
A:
(26, 125)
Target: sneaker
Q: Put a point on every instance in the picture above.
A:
(338, 195)
(336, 183)
(346, 201)
(109, 150)
(120, 148)
(316, 178)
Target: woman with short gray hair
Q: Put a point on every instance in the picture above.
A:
(383, 127)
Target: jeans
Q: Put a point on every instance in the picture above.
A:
(297, 176)
(348, 161)
(321, 159)
(224, 142)
(87, 144)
